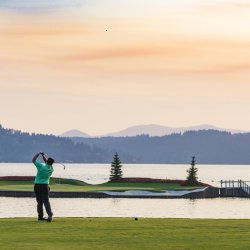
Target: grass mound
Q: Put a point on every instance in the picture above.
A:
(62, 181)
(23, 183)
(26, 183)
(30, 179)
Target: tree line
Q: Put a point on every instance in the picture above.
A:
(116, 171)
(209, 147)
(16, 146)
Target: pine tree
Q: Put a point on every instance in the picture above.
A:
(116, 169)
(192, 178)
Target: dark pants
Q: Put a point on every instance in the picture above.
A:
(42, 197)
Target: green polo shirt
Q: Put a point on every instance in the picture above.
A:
(44, 172)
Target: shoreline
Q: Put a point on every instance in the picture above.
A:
(209, 192)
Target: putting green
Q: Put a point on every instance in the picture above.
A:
(124, 233)
(67, 185)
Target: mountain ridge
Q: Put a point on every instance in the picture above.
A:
(151, 130)
(209, 147)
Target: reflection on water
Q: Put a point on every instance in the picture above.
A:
(226, 208)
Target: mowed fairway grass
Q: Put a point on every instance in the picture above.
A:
(67, 185)
(124, 233)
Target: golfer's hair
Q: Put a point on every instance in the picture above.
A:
(50, 161)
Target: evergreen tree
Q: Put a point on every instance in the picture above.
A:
(116, 168)
(192, 178)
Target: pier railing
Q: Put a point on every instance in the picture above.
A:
(233, 188)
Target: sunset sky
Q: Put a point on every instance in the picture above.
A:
(103, 65)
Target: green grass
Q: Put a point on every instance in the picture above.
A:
(124, 233)
(67, 185)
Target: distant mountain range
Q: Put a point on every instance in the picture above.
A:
(209, 147)
(151, 130)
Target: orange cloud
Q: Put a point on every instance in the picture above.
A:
(124, 52)
(144, 47)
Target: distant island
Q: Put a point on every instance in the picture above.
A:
(22, 186)
(209, 147)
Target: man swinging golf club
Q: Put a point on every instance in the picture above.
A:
(41, 187)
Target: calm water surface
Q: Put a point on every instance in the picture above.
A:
(150, 208)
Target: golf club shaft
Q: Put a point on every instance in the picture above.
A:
(43, 154)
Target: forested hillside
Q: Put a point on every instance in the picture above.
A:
(16, 146)
(209, 147)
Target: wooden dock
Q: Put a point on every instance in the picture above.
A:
(234, 188)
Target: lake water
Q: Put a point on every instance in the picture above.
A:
(152, 208)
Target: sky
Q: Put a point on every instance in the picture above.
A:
(103, 65)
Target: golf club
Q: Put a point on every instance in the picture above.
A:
(64, 167)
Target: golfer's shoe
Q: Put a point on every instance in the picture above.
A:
(42, 219)
(49, 218)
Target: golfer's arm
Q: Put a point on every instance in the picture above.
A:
(35, 158)
(44, 158)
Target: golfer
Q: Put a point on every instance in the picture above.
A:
(41, 187)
